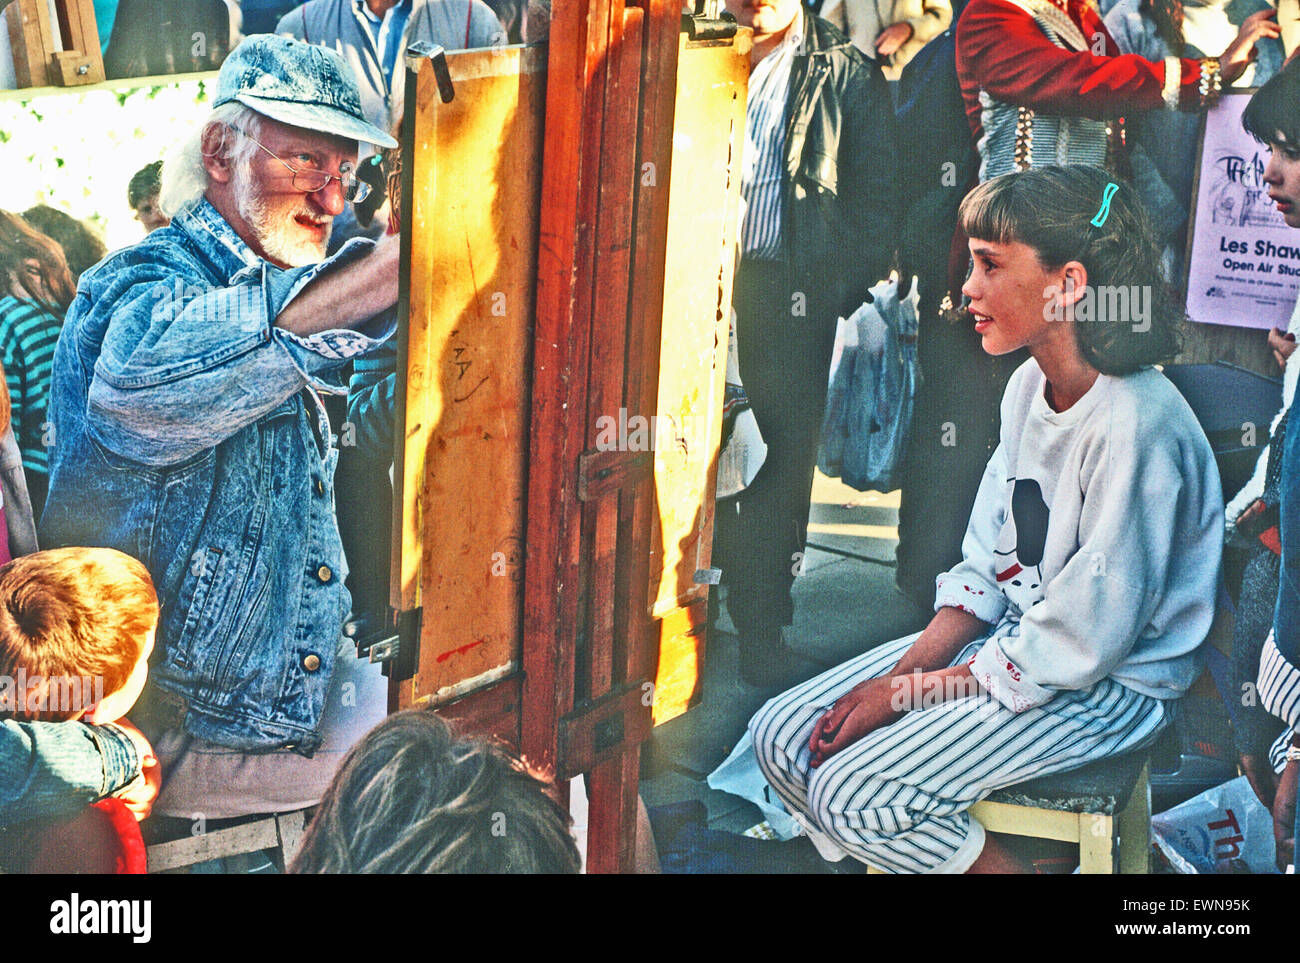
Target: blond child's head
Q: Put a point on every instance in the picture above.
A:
(76, 629)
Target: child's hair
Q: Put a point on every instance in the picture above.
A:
(1275, 108)
(145, 183)
(72, 613)
(411, 797)
(19, 243)
(1051, 209)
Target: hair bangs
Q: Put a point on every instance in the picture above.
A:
(990, 212)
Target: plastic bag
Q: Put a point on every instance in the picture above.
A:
(873, 383)
(739, 775)
(742, 450)
(1223, 830)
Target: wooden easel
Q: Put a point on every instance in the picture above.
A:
(37, 62)
(527, 557)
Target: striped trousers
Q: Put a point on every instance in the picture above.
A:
(897, 799)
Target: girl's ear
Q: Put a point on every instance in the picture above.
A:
(1074, 281)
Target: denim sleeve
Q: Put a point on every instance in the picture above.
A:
(185, 364)
(58, 768)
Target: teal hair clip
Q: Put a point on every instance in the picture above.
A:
(1100, 219)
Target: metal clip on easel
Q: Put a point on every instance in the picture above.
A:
(423, 50)
(709, 21)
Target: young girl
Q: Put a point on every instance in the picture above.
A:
(36, 288)
(1091, 556)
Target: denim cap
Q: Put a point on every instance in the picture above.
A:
(301, 84)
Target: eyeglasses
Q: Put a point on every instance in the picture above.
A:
(309, 180)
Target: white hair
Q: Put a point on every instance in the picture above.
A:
(184, 179)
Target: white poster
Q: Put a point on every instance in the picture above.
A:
(1244, 264)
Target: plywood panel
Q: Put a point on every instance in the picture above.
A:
(475, 200)
(712, 80)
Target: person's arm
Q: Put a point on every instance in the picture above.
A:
(1284, 810)
(184, 365)
(19, 518)
(372, 404)
(58, 768)
(868, 182)
(1000, 48)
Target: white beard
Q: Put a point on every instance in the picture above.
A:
(276, 231)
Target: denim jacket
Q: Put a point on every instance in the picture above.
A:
(1286, 615)
(186, 433)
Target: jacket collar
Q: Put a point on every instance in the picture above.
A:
(216, 239)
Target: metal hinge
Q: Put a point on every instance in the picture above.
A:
(603, 472)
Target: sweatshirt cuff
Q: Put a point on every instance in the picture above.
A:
(985, 602)
(121, 764)
(1003, 680)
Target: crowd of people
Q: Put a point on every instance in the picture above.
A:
(1012, 154)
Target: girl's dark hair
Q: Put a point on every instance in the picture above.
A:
(1051, 209)
(1275, 108)
(82, 247)
(1167, 15)
(410, 797)
(20, 243)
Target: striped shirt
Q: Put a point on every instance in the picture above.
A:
(28, 334)
(769, 91)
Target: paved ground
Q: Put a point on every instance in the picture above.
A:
(844, 603)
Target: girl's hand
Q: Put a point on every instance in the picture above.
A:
(1283, 344)
(1234, 61)
(860, 711)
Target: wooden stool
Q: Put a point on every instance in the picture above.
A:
(282, 831)
(1105, 807)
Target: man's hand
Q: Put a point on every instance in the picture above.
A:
(893, 37)
(140, 793)
(1284, 815)
(1234, 61)
(863, 709)
(1283, 344)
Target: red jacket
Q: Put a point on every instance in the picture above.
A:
(1001, 50)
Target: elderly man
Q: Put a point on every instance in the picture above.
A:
(188, 432)
(819, 230)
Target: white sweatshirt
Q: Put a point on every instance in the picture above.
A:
(1094, 543)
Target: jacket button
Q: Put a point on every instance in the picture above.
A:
(320, 487)
(311, 663)
(324, 574)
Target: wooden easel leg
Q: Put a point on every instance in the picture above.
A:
(32, 39)
(1134, 825)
